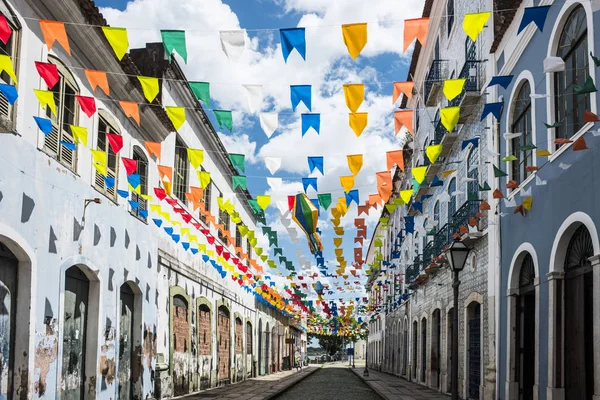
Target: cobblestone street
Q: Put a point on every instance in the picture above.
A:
(333, 381)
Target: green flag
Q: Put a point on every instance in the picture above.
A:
(238, 161)
(498, 173)
(266, 230)
(202, 91)
(254, 205)
(587, 87)
(277, 251)
(224, 118)
(174, 41)
(238, 181)
(324, 200)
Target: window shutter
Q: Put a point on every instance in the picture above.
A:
(67, 156)
(51, 141)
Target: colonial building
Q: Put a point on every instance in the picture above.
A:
(549, 315)
(99, 301)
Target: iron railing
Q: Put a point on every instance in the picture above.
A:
(463, 215)
(433, 76)
(410, 274)
(471, 71)
(439, 131)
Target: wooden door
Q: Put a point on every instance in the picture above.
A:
(126, 342)
(8, 307)
(474, 350)
(74, 334)
(224, 329)
(526, 341)
(423, 350)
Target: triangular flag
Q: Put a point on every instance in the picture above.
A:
(269, 122)
(238, 161)
(130, 165)
(87, 104)
(233, 43)
(196, 157)
(224, 119)
(293, 38)
(498, 173)
(587, 87)
(254, 94)
(98, 79)
(405, 195)
(46, 99)
(324, 200)
(263, 201)
(5, 29)
(44, 124)
(54, 31)
(449, 117)
(311, 121)
(238, 181)
(347, 182)
(355, 38)
(358, 122)
(204, 178)
(10, 92)
(580, 144)
(419, 173)
(433, 152)
(402, 87)
(474, 23)
(355, 163)
(153, 148)
(537, 15)
(527, 202)
(453, 87)
(201, 91)
(355, 95)
(315, 163)
(118, 40)
(48, 72)
(176, 115)
(150, 87)
(403, 118)
(116, 141)
(131, 110)
(395, 157)
(174, 41)
(80, 134)
(301, 93)
(415, 29)
(273, 164)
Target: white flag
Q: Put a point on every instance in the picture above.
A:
(273, 164)
(509, 136)
(233, 43)
(254, 95)
(269, 122)
(510, 203)
(554, 64)
(275, 184)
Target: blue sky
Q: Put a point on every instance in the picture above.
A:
(327, 68)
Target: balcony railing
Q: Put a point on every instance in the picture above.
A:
(463, 215)
(435, 75)
(472, 72)
(440, 131)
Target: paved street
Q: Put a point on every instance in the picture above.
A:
(333, 381)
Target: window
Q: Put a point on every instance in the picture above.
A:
(450, 15)
(64, 96)
(573, 49)
(473, 173)
(522, 124)
(238, 237)
(142, 171)
(112, 161)
(180, 178)
(452, 202)
(11, 48)
(417, 118)
(206, 198)
(224, 219)
(249, 249)
(436, 213)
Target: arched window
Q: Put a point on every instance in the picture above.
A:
(180, 178)
(248, 338)
(107, 130)
(204, 330)
(436, 213)
(452, 202)
(11, 49)
(450, 15)
(573, 49)
(141, 168)
(473, 173)
(67, 112)
(522, 146)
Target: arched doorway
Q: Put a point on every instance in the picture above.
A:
(249, 373)
(9, 272)
(578, 317)
(405, 349)
(275, 350)
(423, 350)
(130, 305)
(239, 349)
(204, 344)
(267, 334)
(224, 347)
(181, 344)
(473, 350)
(260, 348)
(436, 348)
(449, 333)
(414, 349)
(525, 330)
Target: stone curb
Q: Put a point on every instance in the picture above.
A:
(359, 374)
(293, 382)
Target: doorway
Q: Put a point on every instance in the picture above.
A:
(126, 344)
(436, 348)
(474, 351)
(9, 267)
(414, 350)
(424, 350)
(224, 331)
(525, 330)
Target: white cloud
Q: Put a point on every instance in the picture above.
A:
(240, 144)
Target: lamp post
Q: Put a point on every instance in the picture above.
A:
(457, 256)
(366, 371)
(353, 352)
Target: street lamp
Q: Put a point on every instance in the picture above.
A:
(457, 256)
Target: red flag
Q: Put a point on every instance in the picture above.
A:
(160, 193)
(291, 201)
(5, 30)
(186, 217)
(87, 104)
(130, 165)
(116, 141)
(48, 72)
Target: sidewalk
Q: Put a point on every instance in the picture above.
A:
(260, 388)
(392, 387)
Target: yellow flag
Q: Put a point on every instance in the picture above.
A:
(155, 208)
(204, 178)
(99, 157)
(243, 229)
(347, 183)
(176, 115)
(7, 66)
(80, 134)
(473, 23)
(527, 203)
(355, 163)
(146, 197)
(543, 153)
(263, 201)
(220, 203)
(337, 242)
(358, 122)
(46, 98)
(150, 87)
(453, 87)
(185, 231)
(449, 172)
(419, 173)
(450, 117)
(100, 168)
(355, 38)
(196, 157)
(433, 152)
(117, 38)
(355, 94)
(405, 195)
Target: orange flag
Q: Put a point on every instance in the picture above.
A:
(54, 31)
(395, 157)
(166, 173)
(153, 148)
(403, 118)
(415, 29)
(402, 87)
(98, 79)
(384, 185)
(374, 200)
(131, 110)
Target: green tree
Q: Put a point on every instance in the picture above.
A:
(331, 344)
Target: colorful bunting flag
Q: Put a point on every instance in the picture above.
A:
(174, 41)
(449, 117)
(358, 122)
(355, 163)
(315, 163)
(492, 108)
(153, 148)
(419, 173)
(324, 200)
(176, 115)
(131, 110)
(301, 93)
(10, 92)
(269, 122)
(311, 121)
(293, 38)
(309, 182)
(98, 79)
(150, 87)
(402, 87)
(474, 23)
(46, 99)
(116, 141)
(196, 157)
(403, 118)
(233, 43)
(537, 15)
(54, 31)
(118, 40)
(238, 181)
(347, 182)
(44, 124)
(80, 134)
(48, 72)
(433, 152)
(254, 95)
(201, 91)
(395, 157)
(503, 81)
(415, 29)
(224, 119)
(5, 30)
(87, 104)
(203, 178)
(355, 95)
(129, 164)
(355, 38)
(453, 88)
(238, 161)
(406, 195)
(263, 201)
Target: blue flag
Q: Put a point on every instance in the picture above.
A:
(306, 182)
(492, 108)
(315, 162)
(109, 181)
(311, 121)
(293, 38)
(134, 180)
(44, 124)
(10, 92)
(351, 196)
(474, 142)
(537, 15)
(503, 81)
(70, 146)
(301, 93)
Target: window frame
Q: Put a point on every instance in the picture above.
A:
(181, 176)
(139, 155)
(524, 116)
(450, 7)
(109, 123)
(473, 187)
(14, 54)
(224, 219)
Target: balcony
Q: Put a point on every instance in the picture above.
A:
(434, 81)
(466, 224)
(473, 72)
(445, 138)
